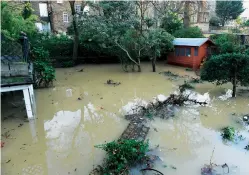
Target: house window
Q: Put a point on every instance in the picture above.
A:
(59, 1)
(182, 51)
(77, 8)
(43, 10)
(196, 51)
(65, 17)
(188, 52)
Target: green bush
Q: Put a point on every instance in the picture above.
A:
(215, 21)
(226, 43)
(171, 23)
(44, 71)
(190, 32)
(228, 133)
(123, 154)
(59, 45)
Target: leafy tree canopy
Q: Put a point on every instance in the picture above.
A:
(226, 43)
(190, 32)
(214, 21)
(12, 21)
(171, 22)
(228, 10)
(228, 67)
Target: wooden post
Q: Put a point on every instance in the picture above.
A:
(28, 105)
(32, 99)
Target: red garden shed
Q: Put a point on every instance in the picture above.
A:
(190, 52)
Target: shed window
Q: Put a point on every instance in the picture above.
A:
(196, 51)
(182, 51)
(188, 52)
(177, 51)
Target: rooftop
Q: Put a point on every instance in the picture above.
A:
(189, 41)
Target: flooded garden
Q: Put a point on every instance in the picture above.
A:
(87, 106)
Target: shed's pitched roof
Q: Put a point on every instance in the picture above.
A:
(190, 41)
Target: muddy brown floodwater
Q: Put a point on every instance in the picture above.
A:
(81, 111)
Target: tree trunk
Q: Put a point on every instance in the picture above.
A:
(51, 16)
(153, 62)
(153, 65)
(76, 32)
(186, 18)
(234, 81)
(139, 68)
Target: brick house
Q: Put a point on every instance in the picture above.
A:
(55, 15)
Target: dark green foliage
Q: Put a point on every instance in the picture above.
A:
(228, 133)
(160, 41)
(39, 53)
(149, 22)
(185, 86)
(44, 71)
(59, 45)
(247, 147)
(170, 74)
(220, 68)
(229, 67)
(27, 10)
(246, 23)
(215, 21)
(227, 43)
(69, 63)
(195, 80)
(228, 10)
(123, 154)
(171, 22)
(190, 32)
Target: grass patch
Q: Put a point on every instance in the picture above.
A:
(228, 133)
(123, 154)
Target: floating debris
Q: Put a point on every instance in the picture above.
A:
(111, 82)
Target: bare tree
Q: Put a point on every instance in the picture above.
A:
(142, 7)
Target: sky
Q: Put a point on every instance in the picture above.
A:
(246, 12)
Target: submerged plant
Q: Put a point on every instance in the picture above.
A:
(123, 154)
(185, 86)
(247, 147)
(228, 133)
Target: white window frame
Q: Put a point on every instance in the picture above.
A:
(77, 8)
(65, 17)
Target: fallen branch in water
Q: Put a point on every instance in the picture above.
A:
(151, 169)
